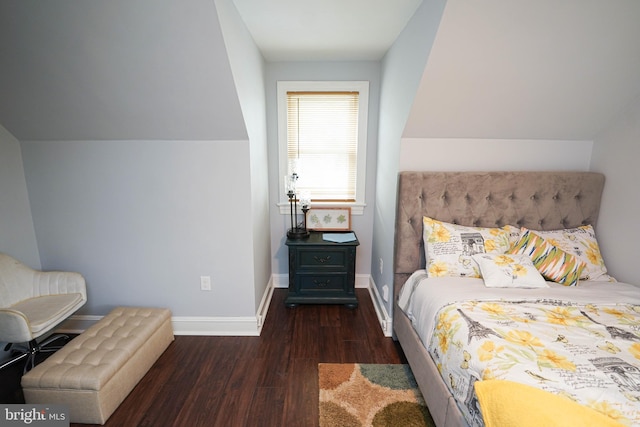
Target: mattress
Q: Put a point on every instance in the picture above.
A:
(579, 342)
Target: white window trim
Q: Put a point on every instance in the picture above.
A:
(357, 207)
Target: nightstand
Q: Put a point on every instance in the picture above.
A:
(321, 272)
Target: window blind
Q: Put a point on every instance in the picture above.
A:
(322, 143)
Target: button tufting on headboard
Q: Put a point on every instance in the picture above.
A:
(536, 200)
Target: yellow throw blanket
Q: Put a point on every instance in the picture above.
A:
(507, 403)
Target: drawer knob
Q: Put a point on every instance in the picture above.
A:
(321, 284)
(322, 260)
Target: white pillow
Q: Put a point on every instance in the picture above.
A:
(449, 247)
(509, 271)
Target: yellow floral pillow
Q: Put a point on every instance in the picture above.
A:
(509, 271)
(449, 247)
(514, 233)
(581, 242)
(554, 263)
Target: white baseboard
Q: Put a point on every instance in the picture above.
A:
(183, 325)
(265, 303)
(77, 324)
(386, 323)
(237, 326)
(193, 325)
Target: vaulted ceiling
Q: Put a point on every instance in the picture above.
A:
(536, 69)
(543, 69)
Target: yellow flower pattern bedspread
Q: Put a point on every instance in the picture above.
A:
(587, 353)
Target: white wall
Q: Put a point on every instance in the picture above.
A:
(143, 220)
(616, 153)
(17, 234)
(451, 154)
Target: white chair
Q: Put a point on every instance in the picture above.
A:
(32, 304)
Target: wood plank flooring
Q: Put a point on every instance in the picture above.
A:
(270, 380)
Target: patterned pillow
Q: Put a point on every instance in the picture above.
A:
(581, 242)
(554, 263)
(449, 247)
(514, 233)
(509, 271)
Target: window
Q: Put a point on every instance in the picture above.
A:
(322, 137)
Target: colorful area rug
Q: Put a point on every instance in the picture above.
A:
(359, 395)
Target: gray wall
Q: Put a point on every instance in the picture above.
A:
(116, 70)
(361, 224)
(402, 69)
(248, 70)
(17, 234)
(142, 217)
(616, 152)
(143, 220)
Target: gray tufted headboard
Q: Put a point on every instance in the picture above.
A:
(536, 200)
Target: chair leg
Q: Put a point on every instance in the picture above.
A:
(45, 345)
(33, 349)
(13, 360)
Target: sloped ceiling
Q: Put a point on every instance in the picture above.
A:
(115, 70)
(543, 69)
(149, 69)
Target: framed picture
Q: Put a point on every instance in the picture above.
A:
(329, 219)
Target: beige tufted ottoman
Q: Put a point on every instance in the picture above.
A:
(96, 371)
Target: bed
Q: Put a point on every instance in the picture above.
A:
(522, 203)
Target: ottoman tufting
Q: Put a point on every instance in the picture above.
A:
(96, 371)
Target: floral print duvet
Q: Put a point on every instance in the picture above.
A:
(586, 351)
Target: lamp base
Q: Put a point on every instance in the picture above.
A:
(297, 233)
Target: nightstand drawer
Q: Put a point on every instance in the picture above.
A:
(321, 272)
(318, 283)
(313, 258)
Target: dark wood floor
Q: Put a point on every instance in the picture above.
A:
(270, 380)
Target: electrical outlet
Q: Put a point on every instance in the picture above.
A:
(381, 265)
(385, 293)
(205, 283)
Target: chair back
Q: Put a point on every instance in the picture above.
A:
(16, 281)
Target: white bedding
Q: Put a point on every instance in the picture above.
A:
(441, 304)
(421, 297)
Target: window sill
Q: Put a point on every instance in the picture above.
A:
(356, 208)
